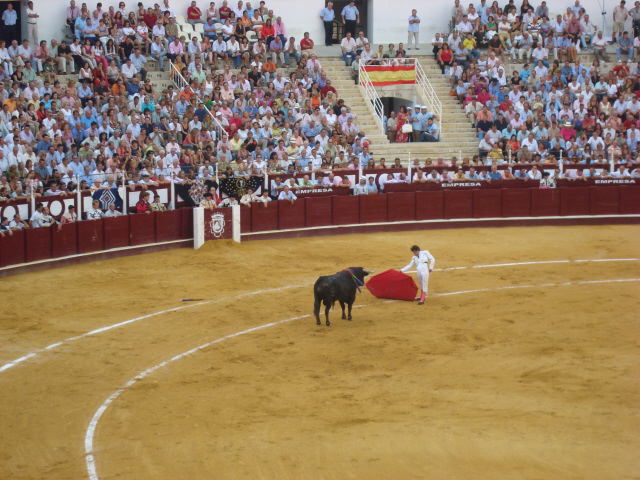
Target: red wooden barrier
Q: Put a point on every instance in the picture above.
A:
(186, 217)
(545, 202)
(401, 206)
(264, 218)
(574, 201)
(167, 225)
(38, 243)
(318, 211)
(290, 215)
(629, 200)
(64, 240)
(91, 236)
(346, 210)
(458, 204)
(604, 200)
(142, 228)
(429, 205)
(218, 224)
(487, 203)
(245, 216)
(373, 208)
(116, 232)
(516, 202)
(12, 250)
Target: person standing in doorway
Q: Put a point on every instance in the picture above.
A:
(351, 17)
(414, 29)
(9, 21)
(32, 24)
(328, 15)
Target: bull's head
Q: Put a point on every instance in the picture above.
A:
(359, 273)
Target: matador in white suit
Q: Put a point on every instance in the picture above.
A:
(424, 262)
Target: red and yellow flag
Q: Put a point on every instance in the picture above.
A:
(382, 75)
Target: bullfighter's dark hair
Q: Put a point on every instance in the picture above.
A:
(414, 248)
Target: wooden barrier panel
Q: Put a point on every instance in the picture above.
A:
(38, 243)
(604, 200)
(91, 236)
(167, 225)
(318, 211)
(218, 224)
(487, 203)
(545, 202)
(458, 204)
(373, 208)
(245, 216)
(12, 249)
(116, 232)
(187, 222)
(291, 215)
(142, 228)
(516, 202)
(429, 205)
(401, 206)
(64, 240)
(264, 218)
(629, 199)
(346, 210)
(574, 201)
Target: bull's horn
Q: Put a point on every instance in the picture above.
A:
(368, 272)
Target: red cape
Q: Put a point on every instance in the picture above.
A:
(393, 284)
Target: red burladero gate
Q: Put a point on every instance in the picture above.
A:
(315, 215)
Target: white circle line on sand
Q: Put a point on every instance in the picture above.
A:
(90, 460)
(107, 328)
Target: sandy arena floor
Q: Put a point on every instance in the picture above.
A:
(539, 382)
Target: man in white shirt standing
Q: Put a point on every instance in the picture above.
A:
(414, 29)
(32, 24)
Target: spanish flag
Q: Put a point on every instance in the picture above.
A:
(382, 75)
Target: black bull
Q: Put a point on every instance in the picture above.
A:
(341, 287)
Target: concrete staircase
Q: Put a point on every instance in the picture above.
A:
(458, 137)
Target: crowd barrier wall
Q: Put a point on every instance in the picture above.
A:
(452, 204)
(130, 231)
(36, 244)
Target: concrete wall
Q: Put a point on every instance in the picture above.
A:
(387, 19)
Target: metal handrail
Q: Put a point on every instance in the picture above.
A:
(181, 83)
(434, 104)
(371, 96)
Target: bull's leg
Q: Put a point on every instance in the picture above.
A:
(350, 304)
(344, 317)
(327, 307)
(316, 310)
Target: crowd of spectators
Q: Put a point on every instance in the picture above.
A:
(84, 114)
(552, 107)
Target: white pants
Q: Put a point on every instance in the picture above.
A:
(423, 277)
(415, 36)
(32, 34)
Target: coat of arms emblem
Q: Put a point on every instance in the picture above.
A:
(217, 225)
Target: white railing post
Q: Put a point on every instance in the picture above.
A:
(371, 95)
(180, 82)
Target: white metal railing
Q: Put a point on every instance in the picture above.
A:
(371, 96)
(431, 98)
(181, 83)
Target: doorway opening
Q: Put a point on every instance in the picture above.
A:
(339, 29)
